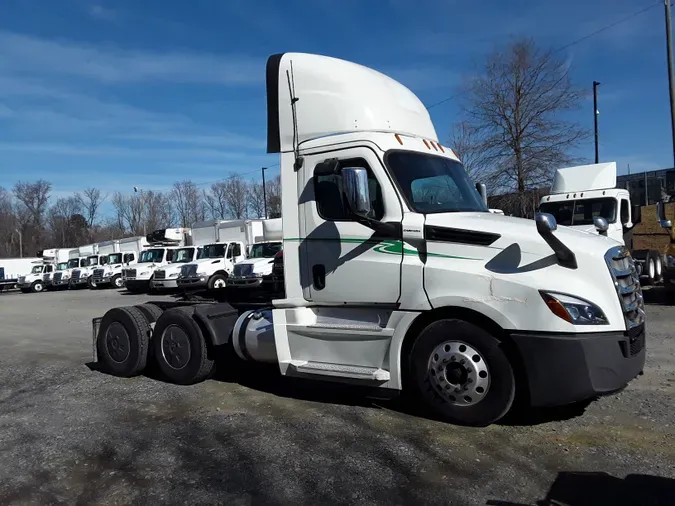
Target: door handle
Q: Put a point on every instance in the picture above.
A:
(319, 276)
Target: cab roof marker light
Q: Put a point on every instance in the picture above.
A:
(426, 143)
(440, 147)
(398, 138)
(433, 145)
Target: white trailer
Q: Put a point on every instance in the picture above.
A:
(161, 246)
(397, 276)
(586, 198)
(11, 269)
(127, 254)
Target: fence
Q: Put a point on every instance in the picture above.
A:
(659, 184)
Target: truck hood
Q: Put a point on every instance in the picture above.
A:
(256, 262)
(204, 261)
(523, 232)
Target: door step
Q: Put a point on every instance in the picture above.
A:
(344, 371)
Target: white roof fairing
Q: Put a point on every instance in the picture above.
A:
(336, 96)
(596, 176)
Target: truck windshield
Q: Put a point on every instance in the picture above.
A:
(581, 212)
(265, 250)
(115, 258)
(61, 266)
(92, 260)
(183, 255)
(151, 255)
(73, 263)
(37, 269)
(213, 251)
(433, 184)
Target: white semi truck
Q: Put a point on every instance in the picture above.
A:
(582, 193)
(251, 273)
(214, 267)
(161, 246)
(397, 276)
(126, 255)
(34, 281)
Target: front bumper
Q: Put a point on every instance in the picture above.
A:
(61, 283)
(566, 368)
(190, 283)
(164, 284)
(78, 282)
(137, 285)
(245, 282)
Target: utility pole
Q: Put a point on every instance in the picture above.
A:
(137, 190)
(671, 76)
(264, 191)
(595, 118)
(18, 232)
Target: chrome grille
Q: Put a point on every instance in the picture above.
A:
(98, 273)
(129, 273)
(22, 280)
(242, 270)
(58, 276)
(76, 275)
(188, 271)
(160, 274)
(627, 284)
(47, 277)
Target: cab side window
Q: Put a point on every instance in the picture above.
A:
(328, 193)
(236, 248)
(625, 212)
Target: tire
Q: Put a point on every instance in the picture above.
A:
(650, 268)
(122, 341)
(471, 364)
(117, 281)
(90, 283)
(37, 287)
(659, 267)
(176, 330)
(150, 311)
(217, 282)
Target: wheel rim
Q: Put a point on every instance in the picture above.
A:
(651, 269)
(117, 342)
(659, 267)
(458, 373)
(38, 287)
(118, 282)
(176, 347)
(219, 283)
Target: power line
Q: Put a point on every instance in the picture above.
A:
(577, 41)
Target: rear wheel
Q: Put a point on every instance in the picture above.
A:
(650, 268)
(180, 349)
(122, 341)
(37, 287)
(461, 373)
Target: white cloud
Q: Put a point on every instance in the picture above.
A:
(23, 54)
(98, 11)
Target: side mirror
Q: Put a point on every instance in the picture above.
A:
(601, 225)
(665, 224)
(356, 191)
(482, 191)
(636, 214)
(546, 223)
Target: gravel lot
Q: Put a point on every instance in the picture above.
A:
(69, 434)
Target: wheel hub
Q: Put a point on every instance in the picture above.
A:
(117, 342)
(175, 347)
(458, 373)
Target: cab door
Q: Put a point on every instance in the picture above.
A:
(341, 259)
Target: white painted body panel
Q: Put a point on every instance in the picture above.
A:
(597, 176)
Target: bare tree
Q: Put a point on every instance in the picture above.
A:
(514, 111)
(235, 190)
(273, 191)
(216, 201)
(129, 212)
(90, 200)
(256, 199)
(465, 143)
(188, 202)
(65, 222)
(33, 201)
(158, 211)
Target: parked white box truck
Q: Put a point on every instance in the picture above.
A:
(40, 275)
(12, 268)
(251, 273)
(397, 275)
(161, 246)
(126, 256)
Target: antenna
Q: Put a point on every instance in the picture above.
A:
(296, 144)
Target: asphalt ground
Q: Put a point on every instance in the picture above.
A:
(72, 435)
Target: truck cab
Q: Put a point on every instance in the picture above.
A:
(137, 277)
(250, 273)
(582, 194)
(166, 278)
(61, 279)
(110, 273)
(33, 281)
(84, 275)
(47, 277)
(669, 256)
(213, 268)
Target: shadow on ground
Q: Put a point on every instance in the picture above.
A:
(594, 489)
(658, 296)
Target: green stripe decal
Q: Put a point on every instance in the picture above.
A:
(386, 246)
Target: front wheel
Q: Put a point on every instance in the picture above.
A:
(37, 287)
(460, 371)
(90, 283)
(217, 282)
(117, 281)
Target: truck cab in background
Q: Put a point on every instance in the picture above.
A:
(33, 281)
(162, 245)
(110, 273)
(252, 272)
(669, 256)
(582, 194)
(213, 268)
(84, 275)
(166, 278)
(48, 277)
(61, 279)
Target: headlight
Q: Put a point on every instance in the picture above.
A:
(173, 275)
(670, 261)
(65, 276)
(144, 273)
(573, 310)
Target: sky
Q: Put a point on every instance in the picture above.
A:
(116, 94)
